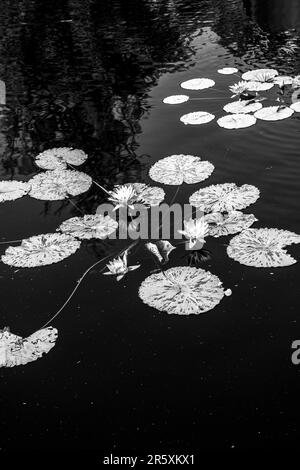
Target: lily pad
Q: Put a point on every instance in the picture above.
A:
(274, 113)
(259, 86)
(220, 225)
(89, 226)
(41, 250)
(149, 195)
(236, 121)
(224, 197)
(242, 107)
(16, 351)
(176, 99)
(228, 70)
(197, 84)
(178, 169)
(56, 185)
(283, 80)
(196, 118)
(263, 247)
(58, 158)
(182, 291)
(260, 75)
(296, 106)
(12, 190)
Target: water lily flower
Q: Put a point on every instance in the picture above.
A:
(238, 88)
(195, 230)
(119, 267)
(123, 196)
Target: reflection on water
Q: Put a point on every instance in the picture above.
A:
(91, 74)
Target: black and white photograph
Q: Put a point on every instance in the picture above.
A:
(150, 229)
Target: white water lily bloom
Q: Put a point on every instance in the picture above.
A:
(282, 80)
(197, 84)
(296, 106)
(236, 121)
(197, 117)
(119, 267)
(178, 169)
(58, 158)
(260, 75)
(182, 291)
(259, 86)
(195, 230)
(161, 249)
(220, 225)
(227, 70)
(224, 197)
(41, 250)
(12, 190)
(176, 99)
(129, 194)
(242, 107)
(274, 113)
(263, 247)
(89, 226)
(55, 185)
(16, 351)
(238, 88)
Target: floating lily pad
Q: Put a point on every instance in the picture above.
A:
(224, 197)
(58, 158)
(295, 107)
(16, 351)
(263, 247)
(260, 75)
(220, 225)
(283, 80)
(228, 70)
(198, 117)
(236, 121)
(59, 184)
(197, 84)
(182, 291)
(274, 113)
(176, 99)
(12, 190)
(89, 226)
(178, 169)
(149, 195)
(259, 86)
(242, 107)
(41, 250)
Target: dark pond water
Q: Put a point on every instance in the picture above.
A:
(123, 377)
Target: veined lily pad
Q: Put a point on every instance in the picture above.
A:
(236, 121)
(176, 99)
(41, 250)
(263, 247)
(58, 158)
(16, 351)
(260, 75)
(196, 118)
(59, 184)
(259, 86)
(178, 169)
(197, 84)
(274, 113)
(224, 197)
(89, 226)
(242, 107)
(149, 195)
(220, 225)
(228, 70)
(182, 291)
(12, 190)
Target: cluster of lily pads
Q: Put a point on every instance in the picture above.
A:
(245, 111)
(181, 290)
